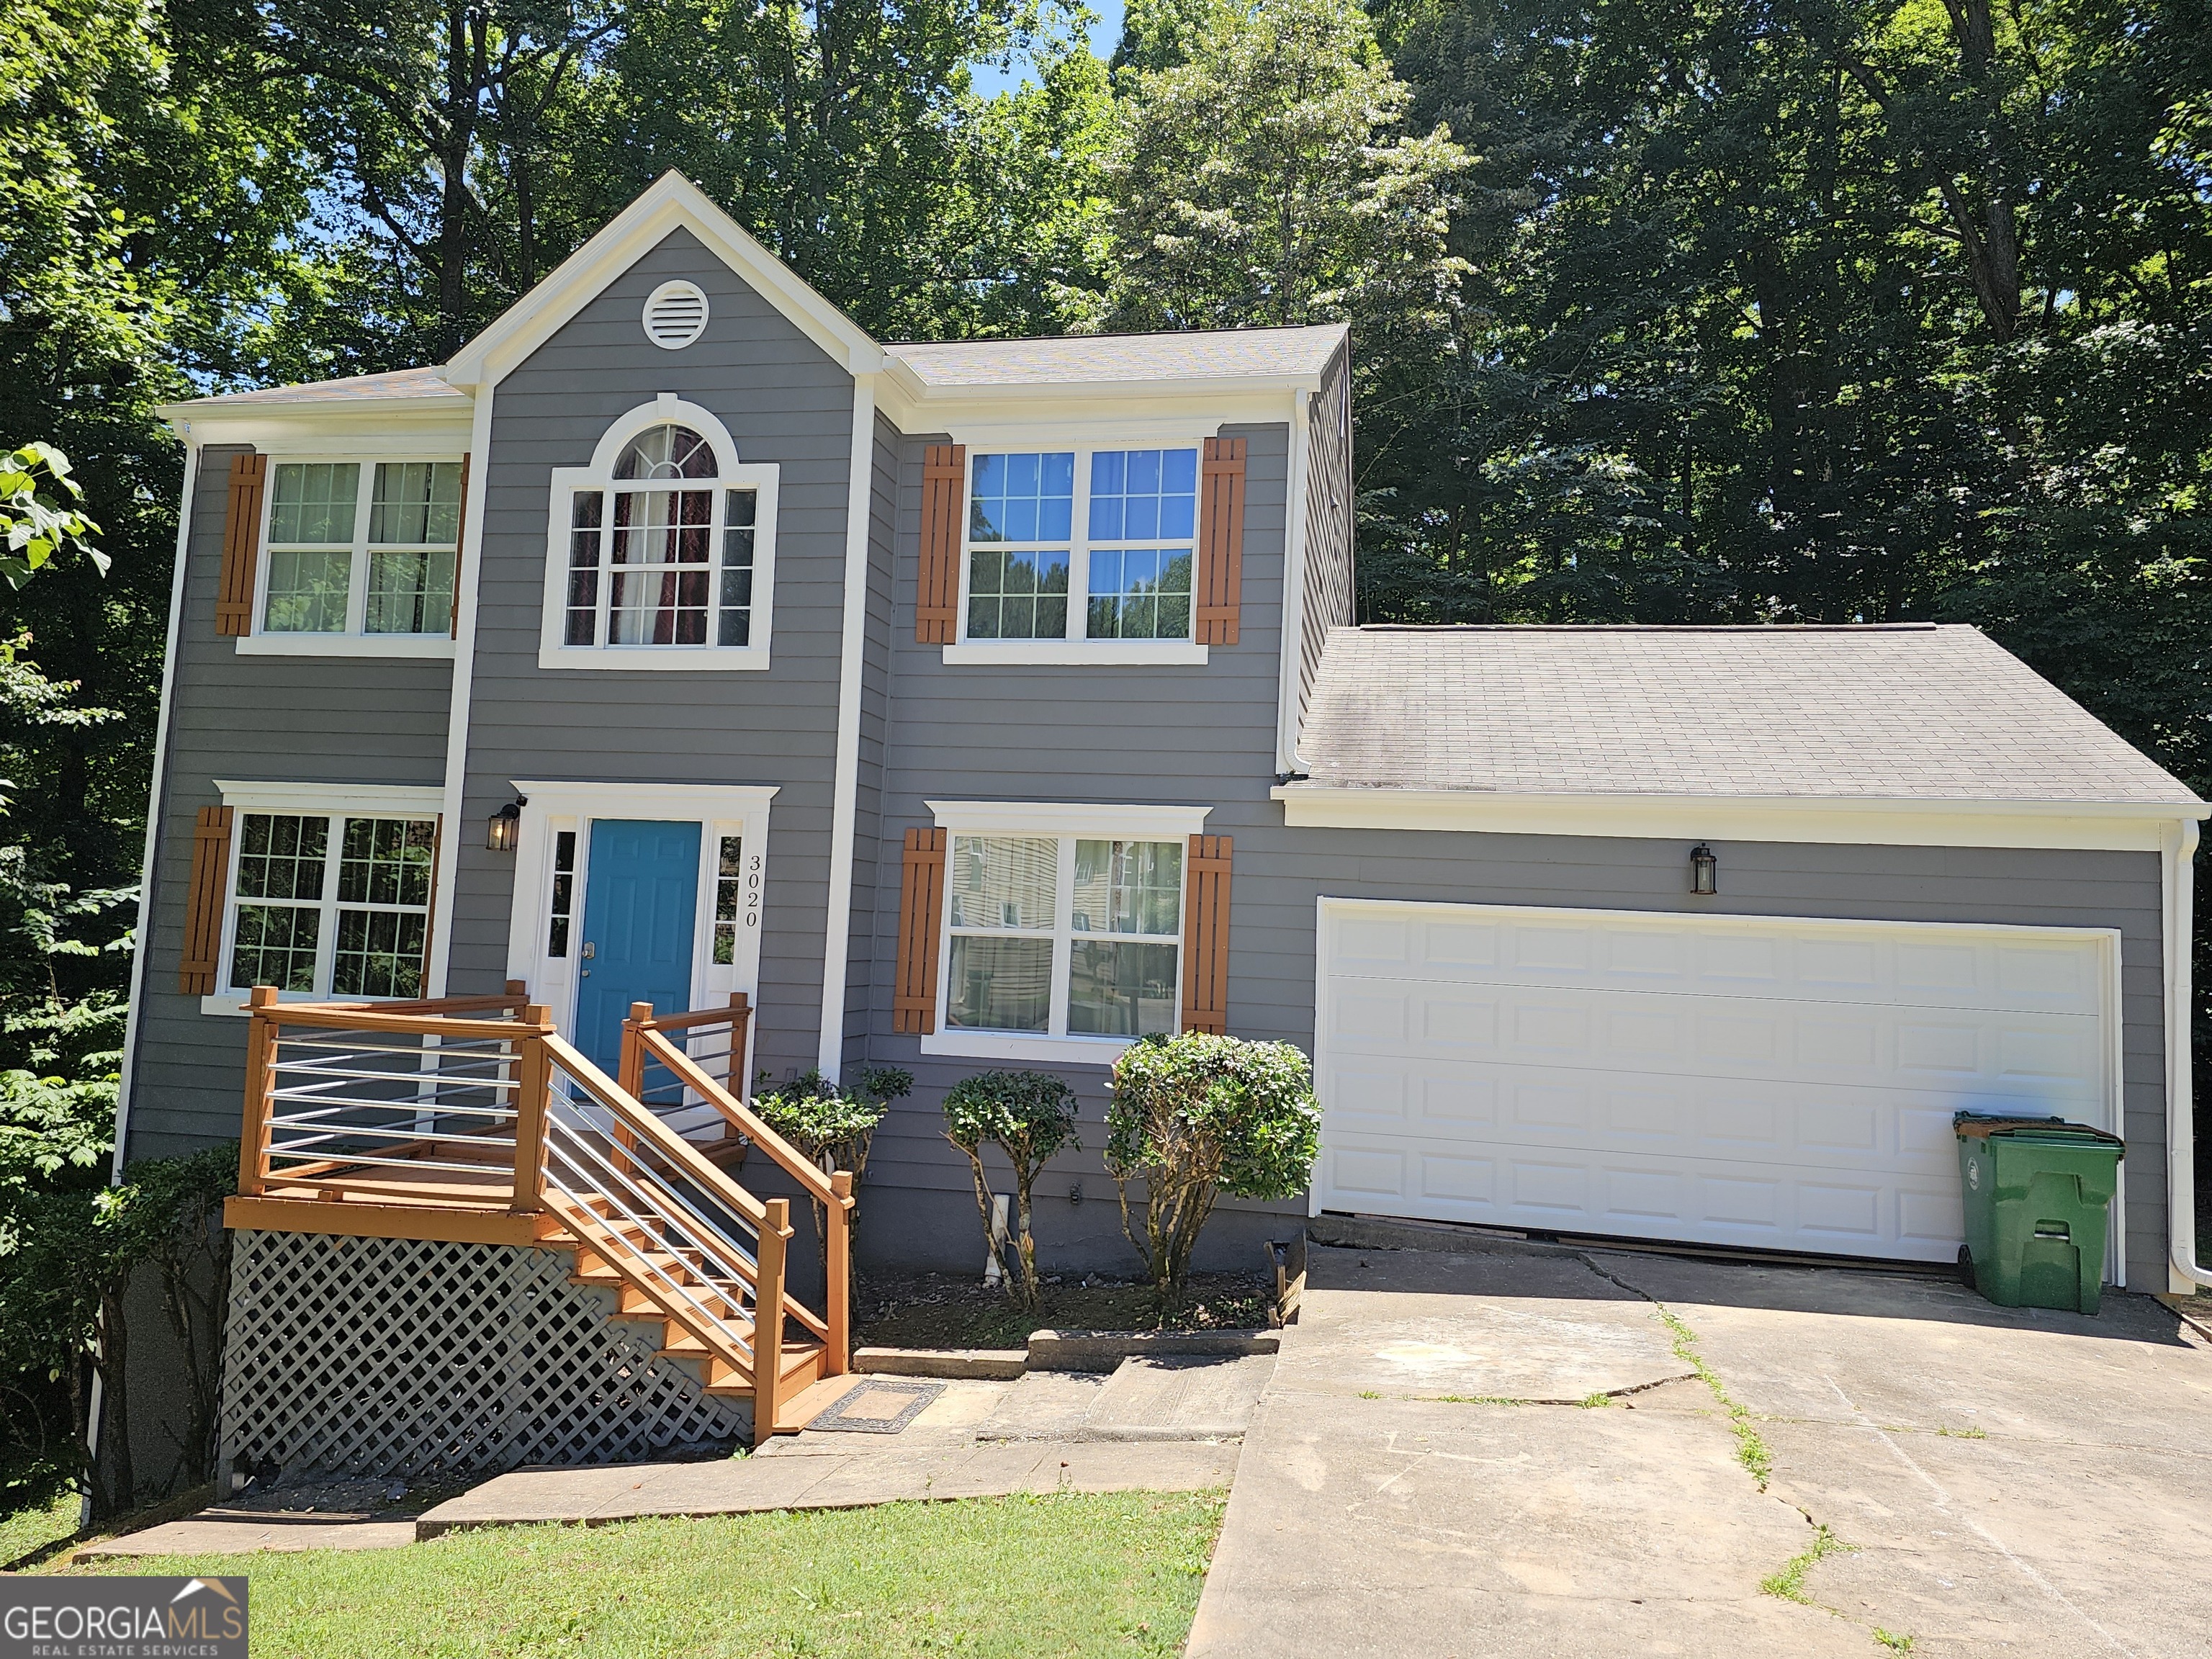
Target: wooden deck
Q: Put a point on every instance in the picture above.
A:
(474, 1122)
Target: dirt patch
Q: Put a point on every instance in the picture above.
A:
(943, 1310)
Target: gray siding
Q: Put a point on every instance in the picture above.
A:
(1327, 582)
(870, 867)
(784, 401)
(1193, 735)
(266, 719)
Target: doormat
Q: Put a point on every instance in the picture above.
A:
(878, 1407)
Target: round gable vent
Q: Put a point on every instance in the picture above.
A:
(675, 315)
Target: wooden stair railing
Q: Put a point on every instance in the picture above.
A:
(476, 1106)
(645, 1040)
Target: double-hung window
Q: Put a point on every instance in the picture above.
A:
(330, 903)
(661, 560)
(1062, 935)
(1083, 544)
(361, 555)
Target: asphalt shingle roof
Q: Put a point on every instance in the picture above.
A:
(1209, 355)
(1895, 712)
(404, 383)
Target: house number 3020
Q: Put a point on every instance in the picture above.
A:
(753, 891)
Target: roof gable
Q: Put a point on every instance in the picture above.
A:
(669, 202)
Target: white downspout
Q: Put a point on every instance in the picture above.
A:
(2177, 882)
(845, 794)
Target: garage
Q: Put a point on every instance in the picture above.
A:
(1750, 1081)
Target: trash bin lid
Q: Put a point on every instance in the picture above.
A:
(1982, 1126)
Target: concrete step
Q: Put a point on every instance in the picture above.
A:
(1178, 1399)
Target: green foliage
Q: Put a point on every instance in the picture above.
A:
(1197, 1115)
(38, 514)
(821, 1120)
(1030, 1117)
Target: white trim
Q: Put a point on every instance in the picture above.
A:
(1109, 822)
(2118, 826)
(844, 807)
(356, 799)
(1290, 655)
(1076, 653)
(1327, 908)
(550, 807)
(430, 646)
(380, 427)
(1002, 1045)
(467, 578)
(2177, 882)
(154, 814)
(759, 476)
(1006, 413)
(671, 202)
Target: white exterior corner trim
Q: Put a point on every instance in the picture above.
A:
(466, 580)
(1290, 641)
(671, 202)
(845, 789)
(1115, 823)
(2111, 826)
(2177, 882)
(139, 934)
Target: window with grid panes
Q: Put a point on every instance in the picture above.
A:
(1066, 935)
(664, 556)
(331, 904)
(1117, 526)
(380, 563)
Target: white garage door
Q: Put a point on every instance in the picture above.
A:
(1777, 1084)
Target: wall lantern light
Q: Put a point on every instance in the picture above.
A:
(1704, 870)
(506, 827)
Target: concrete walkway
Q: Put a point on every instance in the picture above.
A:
(1153, 1424)
(1989, 1482)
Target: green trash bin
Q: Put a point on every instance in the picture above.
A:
(2038, 1191)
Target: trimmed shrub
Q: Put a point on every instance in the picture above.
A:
(1027, 1115)
(1198, 1115)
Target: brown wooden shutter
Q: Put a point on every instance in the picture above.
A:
(1206, 934)
(460, 545)
(1221, 542)
(241, 545)
(921, 911)
(203, 902)
(943, 499)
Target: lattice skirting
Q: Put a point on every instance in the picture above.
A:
(396, 1356)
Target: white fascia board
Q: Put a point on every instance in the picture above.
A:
(2114, 826)
(671, 202)
(380, 799)
(1027, 817)
(1095, 412)
(391, 426)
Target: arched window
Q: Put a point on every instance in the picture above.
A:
(666, 546)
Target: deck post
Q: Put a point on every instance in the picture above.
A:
(837, 1277)
(768, 1318)
(533, 1072)
(630, 1075)
(261, 1038)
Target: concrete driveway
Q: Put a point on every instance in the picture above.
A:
(1537, 1454)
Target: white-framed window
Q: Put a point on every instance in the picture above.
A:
(1062, 933)
(358, 556)
(1084, 552)
(328, 892)
(661, 553)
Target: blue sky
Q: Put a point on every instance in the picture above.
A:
(1105, 35)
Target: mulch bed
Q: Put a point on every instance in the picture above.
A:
(949, 1310)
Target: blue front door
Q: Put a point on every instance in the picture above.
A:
(639, 894)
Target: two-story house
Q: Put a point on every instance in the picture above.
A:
(995, 704)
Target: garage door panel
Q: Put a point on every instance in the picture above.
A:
(2019, 1057)
(1756, 956)
(1762, 1082)
(1650, 1196)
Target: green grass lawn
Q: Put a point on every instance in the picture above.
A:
(38, 1523)
(1112, 1574)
